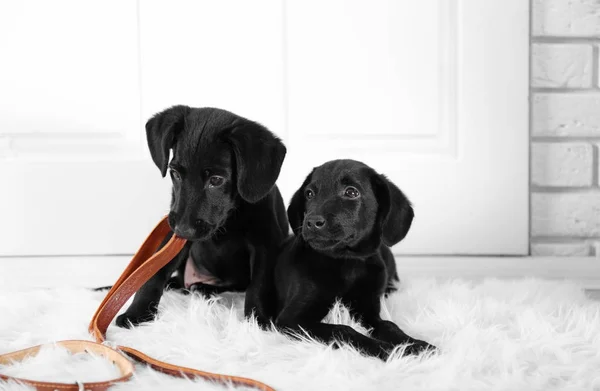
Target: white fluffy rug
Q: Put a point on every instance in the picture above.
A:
(495, 335)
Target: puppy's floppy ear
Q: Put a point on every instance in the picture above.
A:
(395, 214)
(161, 132)
(259, 155)
(297, 206)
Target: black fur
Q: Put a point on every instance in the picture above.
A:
(344, 217)
(233, 223)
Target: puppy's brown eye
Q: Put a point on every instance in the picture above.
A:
(309, 194)
(175, 175)
(215, 181)
(351, 192)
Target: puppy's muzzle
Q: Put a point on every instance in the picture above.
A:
(184, 231)
(315, 228)
(196, 230)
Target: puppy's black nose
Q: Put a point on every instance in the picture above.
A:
(315, 222)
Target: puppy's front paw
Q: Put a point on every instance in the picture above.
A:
(416, 346)
(261, 320)
(383, 350)
(128, 320)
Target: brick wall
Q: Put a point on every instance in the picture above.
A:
(565, 121)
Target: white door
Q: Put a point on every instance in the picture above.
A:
(432, 93)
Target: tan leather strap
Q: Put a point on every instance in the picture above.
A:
(125, 366)
(145, 263)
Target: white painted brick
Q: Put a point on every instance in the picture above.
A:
(560, 249)
(561, 65)
(562, 164)
(566, 114)
(565, 214)
(566, 17)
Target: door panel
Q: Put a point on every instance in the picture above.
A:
(434, 95)
(75, 172)
(68, 77)
(225, 54)
(70, 171)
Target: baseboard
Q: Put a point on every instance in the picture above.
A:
(583, 270)
(80, 271)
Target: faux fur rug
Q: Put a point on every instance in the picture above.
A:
(494, 335)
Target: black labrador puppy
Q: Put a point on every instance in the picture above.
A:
(224, 202)
(344, 217)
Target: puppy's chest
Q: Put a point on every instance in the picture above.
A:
(353, 275)
(198, 274)
(341, 278)
(225, 264)
(363, 277)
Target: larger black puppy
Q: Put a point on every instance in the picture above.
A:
(224, 201)
(344, 216)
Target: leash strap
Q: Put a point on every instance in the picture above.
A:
(145, 263)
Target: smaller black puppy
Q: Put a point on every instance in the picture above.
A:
(344, 217)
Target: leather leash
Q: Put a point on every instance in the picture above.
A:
(145, 263)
